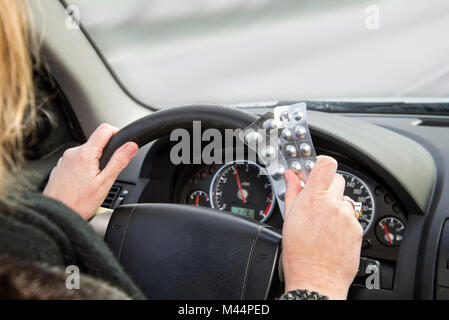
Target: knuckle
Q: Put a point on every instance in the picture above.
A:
(97, 151)
(101, 130)
(52, 172)
(106, 127)
(84, 154)
(69, 153)
(90, 151)
(359, 230)
(66, 154)
(356, 228)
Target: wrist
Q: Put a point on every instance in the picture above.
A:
(311, 277)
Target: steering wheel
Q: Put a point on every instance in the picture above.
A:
(174, 251)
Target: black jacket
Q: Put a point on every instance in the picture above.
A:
(45, 231)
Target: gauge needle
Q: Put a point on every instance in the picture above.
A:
(360, 213)
(387, 233)
(197, 200)
(238, 184)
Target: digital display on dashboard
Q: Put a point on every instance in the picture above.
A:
(243, 212)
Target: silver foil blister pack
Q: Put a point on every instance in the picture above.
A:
(281, 139)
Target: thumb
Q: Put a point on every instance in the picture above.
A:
(119, 160)
(293, 189)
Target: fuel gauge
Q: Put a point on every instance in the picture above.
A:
(198, 198)
(390, 231)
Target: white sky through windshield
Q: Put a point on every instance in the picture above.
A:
(181, 52)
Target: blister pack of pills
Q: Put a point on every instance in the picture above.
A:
(281, 139)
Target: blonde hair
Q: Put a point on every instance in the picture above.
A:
(17, 95)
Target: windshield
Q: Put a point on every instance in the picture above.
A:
(179, 52)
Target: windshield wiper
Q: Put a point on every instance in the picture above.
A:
(380, 107)
(398, 107)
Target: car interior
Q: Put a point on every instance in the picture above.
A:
(164, 221)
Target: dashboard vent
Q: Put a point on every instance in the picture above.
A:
(112, 197)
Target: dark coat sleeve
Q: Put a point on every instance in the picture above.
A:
(45, 230)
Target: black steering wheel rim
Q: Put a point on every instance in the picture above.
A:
(161, 123)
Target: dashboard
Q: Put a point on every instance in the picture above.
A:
(404, 242)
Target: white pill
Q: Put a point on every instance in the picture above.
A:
(309, 164)
(253, 138)
(296, 165)
(300, 132)
(279, 173)
(298, 115)
(290, 150)
(287, 134)
(269, 124)
(305, 149)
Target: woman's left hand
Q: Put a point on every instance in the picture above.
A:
(77, 180)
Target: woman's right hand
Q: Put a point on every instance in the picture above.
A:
(77, 180)
(321, 235)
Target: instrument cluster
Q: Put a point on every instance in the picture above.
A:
(241, 187)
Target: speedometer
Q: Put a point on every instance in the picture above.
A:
(242, 187)
(357, 190)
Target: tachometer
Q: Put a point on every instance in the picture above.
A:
(242, 187)
(357, 190)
